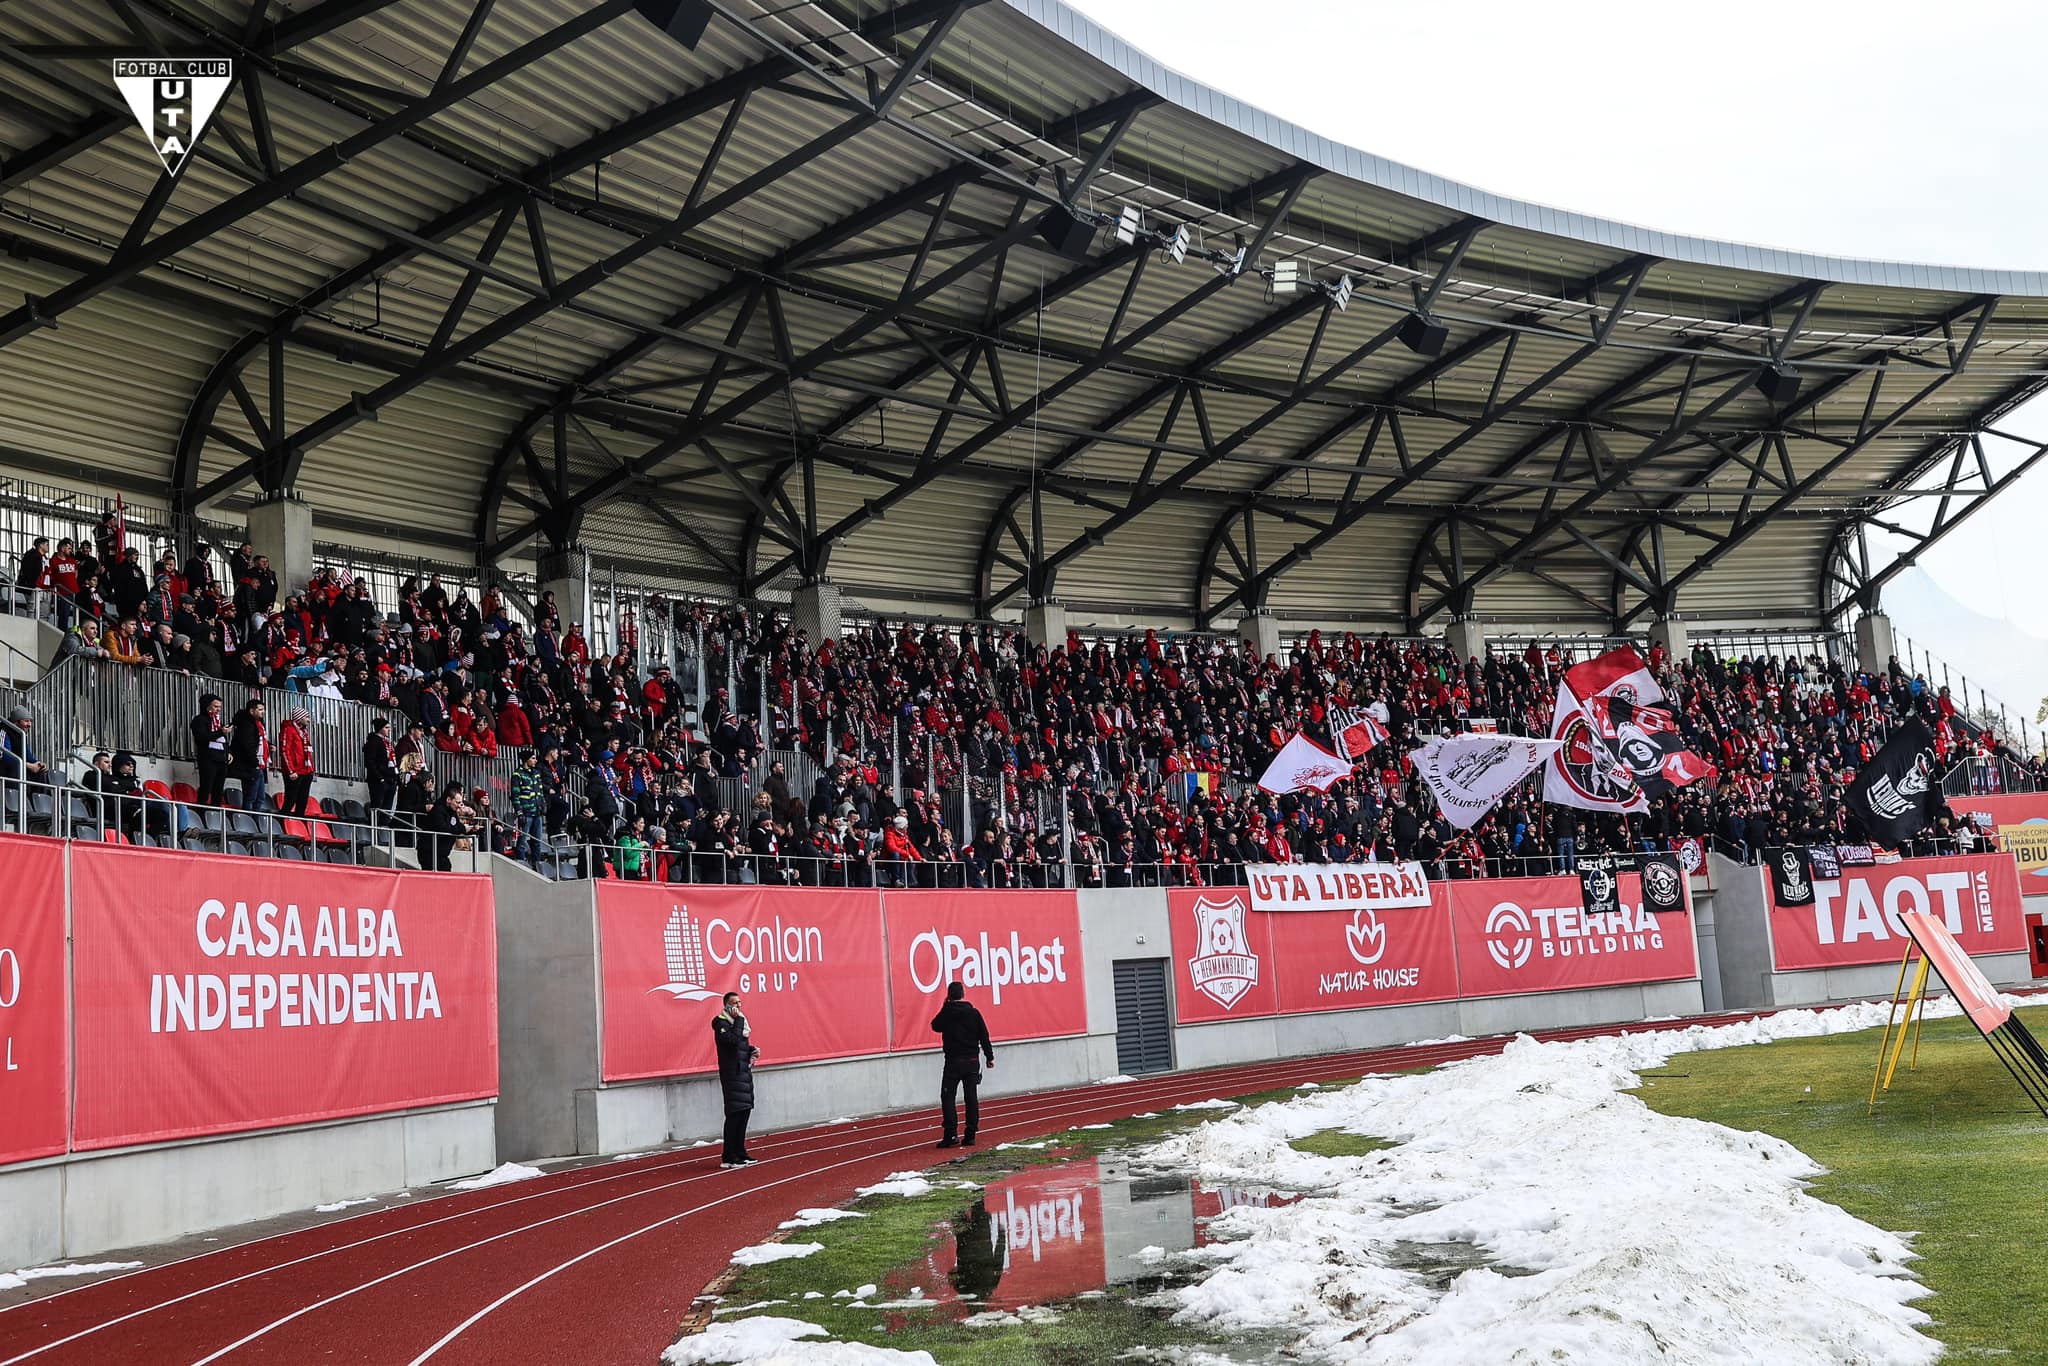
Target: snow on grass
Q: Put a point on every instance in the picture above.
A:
(811, 1218)
(339, 1205)
(1645, 1236)
(1006, 1147)
(510, 1171)
(760, 1254)
(15, 1280)
(770, 1341)
(1212, 1103)
(1095, 1126)
(909, 1184)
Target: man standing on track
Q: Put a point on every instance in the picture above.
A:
(736, 1054)
(965, 1036)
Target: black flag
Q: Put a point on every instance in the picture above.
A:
(1663, 883)
(1892, 796)
(1791, 876)
(1825, 862)
(1599, 887)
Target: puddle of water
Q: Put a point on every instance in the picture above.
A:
(1062, 1236)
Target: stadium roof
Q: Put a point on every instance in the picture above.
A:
(839, 293)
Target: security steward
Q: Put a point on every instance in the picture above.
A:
(965, 1037)
(734, 1038)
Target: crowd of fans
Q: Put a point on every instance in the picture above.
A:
(1130, 760)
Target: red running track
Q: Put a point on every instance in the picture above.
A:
(599, 1264)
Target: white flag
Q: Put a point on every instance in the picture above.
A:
(1302, 763)
(1471, 773)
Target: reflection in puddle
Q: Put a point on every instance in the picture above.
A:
(1052, 1234)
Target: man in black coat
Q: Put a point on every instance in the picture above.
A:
(736, 1054)
(964, 1035)
(249, 754)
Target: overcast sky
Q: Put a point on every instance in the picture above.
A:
(1879, 129)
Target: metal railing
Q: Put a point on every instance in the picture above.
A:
(1986, 775)
(101, 704)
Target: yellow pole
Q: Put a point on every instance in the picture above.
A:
(1914, 1002)
(1884, 1041)
(1920, 1022)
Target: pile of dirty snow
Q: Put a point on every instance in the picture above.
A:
(1626, 1235)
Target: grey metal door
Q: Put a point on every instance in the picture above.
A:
(1144, 1022)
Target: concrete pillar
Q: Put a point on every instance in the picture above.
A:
(1262, 629)
(566, 574)
(815, 611)
(1874, 644)
(282, 528)
(1466, 638)
(1671, 634)
(1045, 623)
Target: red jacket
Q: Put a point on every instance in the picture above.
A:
(897, 842)
(298, 750)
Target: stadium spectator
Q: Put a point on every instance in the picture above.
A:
(18, 761)
(249, 754)
(83, 641)
(32, 572)
(295, 748)
(211, 739)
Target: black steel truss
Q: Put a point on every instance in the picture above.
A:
(1478, 531)
(516, 197)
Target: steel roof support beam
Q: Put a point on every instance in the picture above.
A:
(942, 185)
(1148, 492)
(124, 266)
(1746, 528)
(1868, 585)
(1632, 277)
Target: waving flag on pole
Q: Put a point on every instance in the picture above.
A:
(1619, 739)
(1471, 773)
(1302, 763)
(1355, 732)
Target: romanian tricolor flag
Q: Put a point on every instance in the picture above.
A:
(1199, 783)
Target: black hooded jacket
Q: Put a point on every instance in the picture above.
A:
(963, 1032)
(736, 1054)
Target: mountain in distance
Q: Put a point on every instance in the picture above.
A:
(1999, 657)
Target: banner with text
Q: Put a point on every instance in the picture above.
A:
(217, 994)
(1234, 962)
(1343, 887)
(34, 1050)
(1018, 954)
(1533, 934)
(2020, 820)
(1853, 919)
(806, 963)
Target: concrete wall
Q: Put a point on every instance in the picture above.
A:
(31, 648)
(548, 1003)
(89, 1203)
(554, 1103)
(1748, 982)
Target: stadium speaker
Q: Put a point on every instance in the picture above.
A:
(682, 20)
(1423, 336)
(1066, 234)
(1779, 383)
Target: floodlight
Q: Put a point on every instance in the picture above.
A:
(1128, 224)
